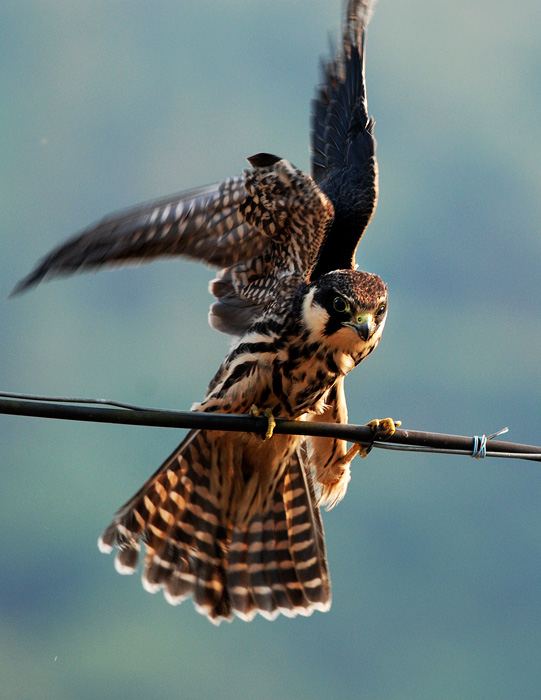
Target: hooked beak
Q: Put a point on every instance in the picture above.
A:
(362, 325)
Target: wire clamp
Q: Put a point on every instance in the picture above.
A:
(480, 443)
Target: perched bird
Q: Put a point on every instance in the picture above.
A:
(230, 519)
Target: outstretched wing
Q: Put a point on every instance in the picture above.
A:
(260, 227)
(204, 223)
(343, 146)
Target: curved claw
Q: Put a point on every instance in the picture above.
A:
(271, 424)
(383, 428)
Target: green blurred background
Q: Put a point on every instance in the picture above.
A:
(436, 560)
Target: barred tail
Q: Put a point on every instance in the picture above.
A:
(274, 564)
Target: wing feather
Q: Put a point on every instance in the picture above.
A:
(259, 227)
(264, 229)
(343, 144)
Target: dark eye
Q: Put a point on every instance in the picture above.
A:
(381, 309)
(340, 305)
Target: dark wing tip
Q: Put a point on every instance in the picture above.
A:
(31, 280)
(62, 261)
(263, 160)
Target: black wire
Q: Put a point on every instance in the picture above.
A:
(107, 411)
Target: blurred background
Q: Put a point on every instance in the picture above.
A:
(435, 560)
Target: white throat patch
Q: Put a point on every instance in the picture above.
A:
(315, 317)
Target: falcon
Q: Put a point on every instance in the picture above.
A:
(232, 519)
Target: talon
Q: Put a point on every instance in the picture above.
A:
(384, 428)
(271, 424)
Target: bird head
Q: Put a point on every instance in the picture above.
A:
(346, 309)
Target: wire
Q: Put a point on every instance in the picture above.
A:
(107, 411)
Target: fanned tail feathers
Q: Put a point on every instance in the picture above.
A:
(273, 564)
(278, 564)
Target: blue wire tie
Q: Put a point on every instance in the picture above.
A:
(480, 443)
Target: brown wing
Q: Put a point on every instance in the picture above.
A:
(204, 224)
(260, 227)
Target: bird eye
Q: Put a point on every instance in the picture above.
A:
(340, 305)
(381, 309)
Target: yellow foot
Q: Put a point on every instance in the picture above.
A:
(382, 428)
(270, 418)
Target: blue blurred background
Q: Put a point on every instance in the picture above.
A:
(436, 560)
